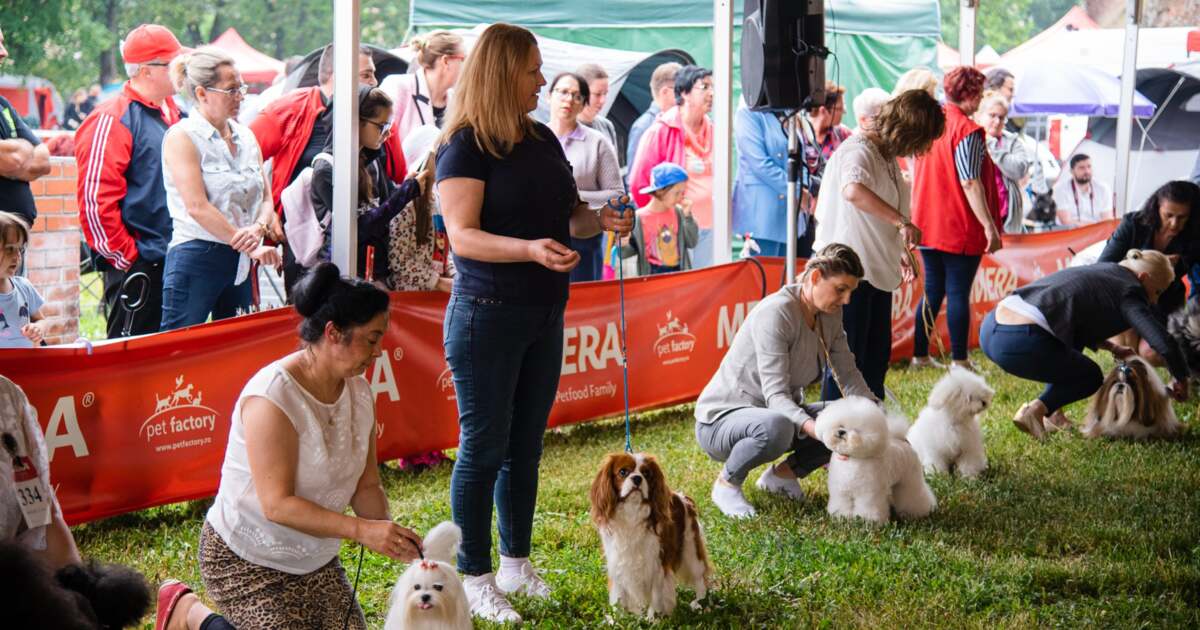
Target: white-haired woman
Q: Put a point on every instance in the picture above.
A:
(1039, 332)
(217, 194)
(1009, 155)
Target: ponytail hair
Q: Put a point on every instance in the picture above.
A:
(198, 68)
(435, 45)
(835, 259)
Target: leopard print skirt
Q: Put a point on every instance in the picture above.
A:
(254, 597)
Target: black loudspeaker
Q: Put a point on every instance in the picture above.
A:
(783, 53)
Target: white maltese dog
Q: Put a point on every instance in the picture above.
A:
(946, 435)
(429, 595)
(873, 468)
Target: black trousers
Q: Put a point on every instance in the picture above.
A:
(147, 319)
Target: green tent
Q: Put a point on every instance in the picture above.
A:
(875, 41)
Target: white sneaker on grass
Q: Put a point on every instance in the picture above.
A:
(486, 600)
(768, 481)
(730, 500)
(523, 581)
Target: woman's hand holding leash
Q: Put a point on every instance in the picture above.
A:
(1179, 390)
(617, 215)
(389, 539)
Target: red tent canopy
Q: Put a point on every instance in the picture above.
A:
(255, 66)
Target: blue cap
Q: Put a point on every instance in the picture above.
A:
(664, 175)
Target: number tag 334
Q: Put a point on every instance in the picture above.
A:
(31, 493)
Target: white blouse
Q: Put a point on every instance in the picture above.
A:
(233, 183)
(331, 457)
(877, 242)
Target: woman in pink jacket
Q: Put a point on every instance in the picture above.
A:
(683, 135)
(421, 96)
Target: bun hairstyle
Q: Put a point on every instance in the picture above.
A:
(835, 259)
(1151, 262)
(324, 296)
(435, 45)
(199, 68)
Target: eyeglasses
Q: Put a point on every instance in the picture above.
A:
(384, 128)
(241, 90)
(706, 87)
(569, 94)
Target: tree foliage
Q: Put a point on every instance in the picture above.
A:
(74, 43)
(1001, 24)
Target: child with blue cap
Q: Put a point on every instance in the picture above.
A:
(664, 230)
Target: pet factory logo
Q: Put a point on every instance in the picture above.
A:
(180, 419)
(445, 383)
(674, 343)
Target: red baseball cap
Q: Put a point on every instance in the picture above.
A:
(148, 42)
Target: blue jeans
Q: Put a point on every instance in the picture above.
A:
(506, 360)
(198, 280)
(868, 323)
(591, 259)
(1028, 351)
(950, 275)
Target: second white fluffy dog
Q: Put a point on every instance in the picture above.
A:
(946, 435)
(873, 469)
(429, 595)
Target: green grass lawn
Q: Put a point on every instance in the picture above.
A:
(1070, 533)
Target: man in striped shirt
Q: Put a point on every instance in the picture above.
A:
(119, 187)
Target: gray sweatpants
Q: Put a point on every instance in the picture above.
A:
(752, 436)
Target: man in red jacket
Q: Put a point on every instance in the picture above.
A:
(122, 202)
(294, 128)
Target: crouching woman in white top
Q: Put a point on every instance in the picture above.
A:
(301, 450)
(752, 412)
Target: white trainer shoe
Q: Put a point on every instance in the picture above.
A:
(730, 500)
(526, 581)
(486, 600)
(768, 481)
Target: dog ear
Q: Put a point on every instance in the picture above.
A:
(660, 492)
(604, 495)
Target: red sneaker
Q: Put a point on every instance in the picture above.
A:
(169, 594)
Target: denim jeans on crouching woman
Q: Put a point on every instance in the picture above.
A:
(506, 360)
(198, 280)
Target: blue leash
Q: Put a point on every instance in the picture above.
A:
(618, 263)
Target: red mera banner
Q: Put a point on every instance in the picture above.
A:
(142, 422)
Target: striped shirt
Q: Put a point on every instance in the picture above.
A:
(968, 156)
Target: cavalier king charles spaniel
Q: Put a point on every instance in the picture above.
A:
(652, 538)
(1132, 403)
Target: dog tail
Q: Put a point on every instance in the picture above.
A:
(897, 425)
(441, 543)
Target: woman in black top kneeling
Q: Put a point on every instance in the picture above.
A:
(1039, 332)
(510, 204)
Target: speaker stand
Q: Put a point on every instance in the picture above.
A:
(792, 127)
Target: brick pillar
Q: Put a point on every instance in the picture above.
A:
(52, 258)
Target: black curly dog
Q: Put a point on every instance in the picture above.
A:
(92, 596)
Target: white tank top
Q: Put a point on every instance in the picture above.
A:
(332, 454)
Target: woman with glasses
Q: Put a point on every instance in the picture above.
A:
(593, 164)
(379, 200)
(217, 195)
(1009, 155)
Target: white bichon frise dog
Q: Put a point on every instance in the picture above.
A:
(429, 594)
(946, 435)
(873, 468)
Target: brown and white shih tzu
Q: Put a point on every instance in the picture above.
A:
(651, 536)
(1132, 403)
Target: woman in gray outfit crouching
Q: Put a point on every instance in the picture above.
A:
(753, 411)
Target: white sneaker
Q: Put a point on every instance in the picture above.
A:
(730, 500)
(486, 601)
(774, 484)
(525, 581)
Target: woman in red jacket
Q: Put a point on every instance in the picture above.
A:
(957, 208)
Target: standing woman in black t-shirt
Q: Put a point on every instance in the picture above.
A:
(510, 204)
